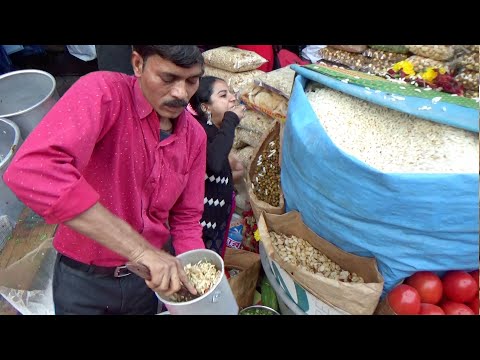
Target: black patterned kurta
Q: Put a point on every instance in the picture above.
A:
(218, 182)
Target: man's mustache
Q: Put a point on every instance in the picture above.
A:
(176, 103)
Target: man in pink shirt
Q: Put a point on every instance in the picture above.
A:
(119, 164)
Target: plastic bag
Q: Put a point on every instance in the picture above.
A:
(27, 283)
(83, 52)
(235, 81)
(265, 101)
(384, 55)
(468, 61)
(471, 94)
(256, 121)
(400, 49)
(469, 79)
(248, 137)
(473, 48)
(350, 48)
(376, 66)
(421, 63)
(357, 62)
(279, 81)
(351, 60)
(233, 59)
(435, 52)
(238, 144)
(245, 155)
(310, 52)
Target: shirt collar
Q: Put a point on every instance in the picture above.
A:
(144, 109)
(142, 106)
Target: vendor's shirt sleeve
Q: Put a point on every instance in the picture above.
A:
(46, 172)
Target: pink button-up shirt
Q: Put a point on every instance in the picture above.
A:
(100, 142)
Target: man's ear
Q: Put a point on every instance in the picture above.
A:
(137, 64)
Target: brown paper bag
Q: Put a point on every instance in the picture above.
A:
(354, 298)
(384, 308)
(243, 285)
(258, 206)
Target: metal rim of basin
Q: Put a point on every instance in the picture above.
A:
(30, 71)
(16, 141)
(260, 307)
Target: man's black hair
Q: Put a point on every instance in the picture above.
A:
(181, 55)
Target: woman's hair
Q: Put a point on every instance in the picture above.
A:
(181, 55)
(203, 95)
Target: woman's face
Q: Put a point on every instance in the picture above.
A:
(221, 101)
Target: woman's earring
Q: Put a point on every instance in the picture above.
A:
(209, 118)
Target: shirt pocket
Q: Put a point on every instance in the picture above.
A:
(169, 188)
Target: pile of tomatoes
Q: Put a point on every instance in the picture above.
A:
(425, 293)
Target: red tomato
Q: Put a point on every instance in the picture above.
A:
(428, 285)
(455, 308)
(459, 286)
(430, 309)
(404, 300)
(444, 298)
(474, 305)
(475, 276)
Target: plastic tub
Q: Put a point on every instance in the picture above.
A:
(219, 300)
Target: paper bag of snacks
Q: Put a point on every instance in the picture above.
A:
(349, 282)
(263, 176)
(244, 281)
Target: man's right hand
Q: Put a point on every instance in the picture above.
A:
(166, 271)
(109, 230)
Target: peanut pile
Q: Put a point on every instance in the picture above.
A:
(203, 275)
(299, 252)
(266, 181)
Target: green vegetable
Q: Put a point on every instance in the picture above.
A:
(257, 311)
(269, 297)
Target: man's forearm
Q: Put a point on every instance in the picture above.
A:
(99, 224)
(109, 230)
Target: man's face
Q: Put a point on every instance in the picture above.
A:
(166, 86)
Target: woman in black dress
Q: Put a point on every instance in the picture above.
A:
(219, 113)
